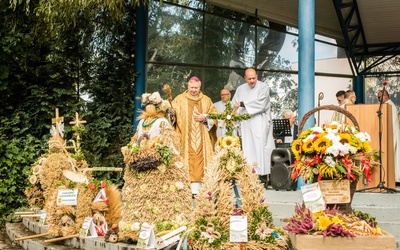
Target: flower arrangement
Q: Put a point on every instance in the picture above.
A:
(333, 152)
(330, 222)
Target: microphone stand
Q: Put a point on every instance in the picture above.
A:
(381, 185)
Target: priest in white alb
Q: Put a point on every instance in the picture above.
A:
(396, 133)
(252, 98)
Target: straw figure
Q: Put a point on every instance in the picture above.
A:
(156, 182)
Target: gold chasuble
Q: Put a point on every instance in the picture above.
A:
(197, 139)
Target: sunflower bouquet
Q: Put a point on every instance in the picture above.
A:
(333, 152)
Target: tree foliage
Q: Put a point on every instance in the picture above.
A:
(84, 64)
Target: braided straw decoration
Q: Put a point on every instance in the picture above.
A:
(328, 107)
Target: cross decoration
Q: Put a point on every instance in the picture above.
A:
(77, 128)
(229, 117)
(57, 121)
(77, 122)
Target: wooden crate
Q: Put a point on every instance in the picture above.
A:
(318, 242)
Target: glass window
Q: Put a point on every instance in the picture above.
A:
(174, 34)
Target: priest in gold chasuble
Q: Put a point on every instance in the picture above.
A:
(198, 133)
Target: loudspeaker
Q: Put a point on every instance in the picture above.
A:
(281, 158)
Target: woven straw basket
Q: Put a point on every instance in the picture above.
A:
(328, 107)
(343, 207)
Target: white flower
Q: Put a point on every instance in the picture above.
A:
(363, 136)
(330, 161)
(155, 98)
(228, 117)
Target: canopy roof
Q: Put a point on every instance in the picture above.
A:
(364, 27)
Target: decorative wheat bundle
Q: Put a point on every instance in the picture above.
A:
(159, 196)
(216, 203)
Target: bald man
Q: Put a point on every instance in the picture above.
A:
(253, 98)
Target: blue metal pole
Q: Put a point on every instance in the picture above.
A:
(306, 59)
(140, 60)
(358, 88)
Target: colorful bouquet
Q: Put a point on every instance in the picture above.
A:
(330, 222)
(333, 152)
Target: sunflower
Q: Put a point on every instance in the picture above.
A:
(296, 149)
(228, 142)
(308, 147)
(321, 144)
(345, 138)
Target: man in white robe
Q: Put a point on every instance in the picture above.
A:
(396, 132)
(257, 138)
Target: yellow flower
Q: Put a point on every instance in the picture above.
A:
(296, 149)
(345, 138)
(367, 147)
(321, 144)
(307, 147)
(228, 142)
(323, 222)
(337, 220)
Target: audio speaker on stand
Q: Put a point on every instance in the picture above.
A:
(281, 159)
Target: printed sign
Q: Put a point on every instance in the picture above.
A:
(67, 197)
(88, 230)
(312, 197)
(238, 229)
(146, 237)
(335, 192)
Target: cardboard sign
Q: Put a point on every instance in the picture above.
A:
(335, 192)
(146, 237)
(88, 229)
(312, 197)
(42, 218)
(67, 197)
(238, 229)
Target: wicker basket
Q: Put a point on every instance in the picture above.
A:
(343, 207)
(328, 107)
